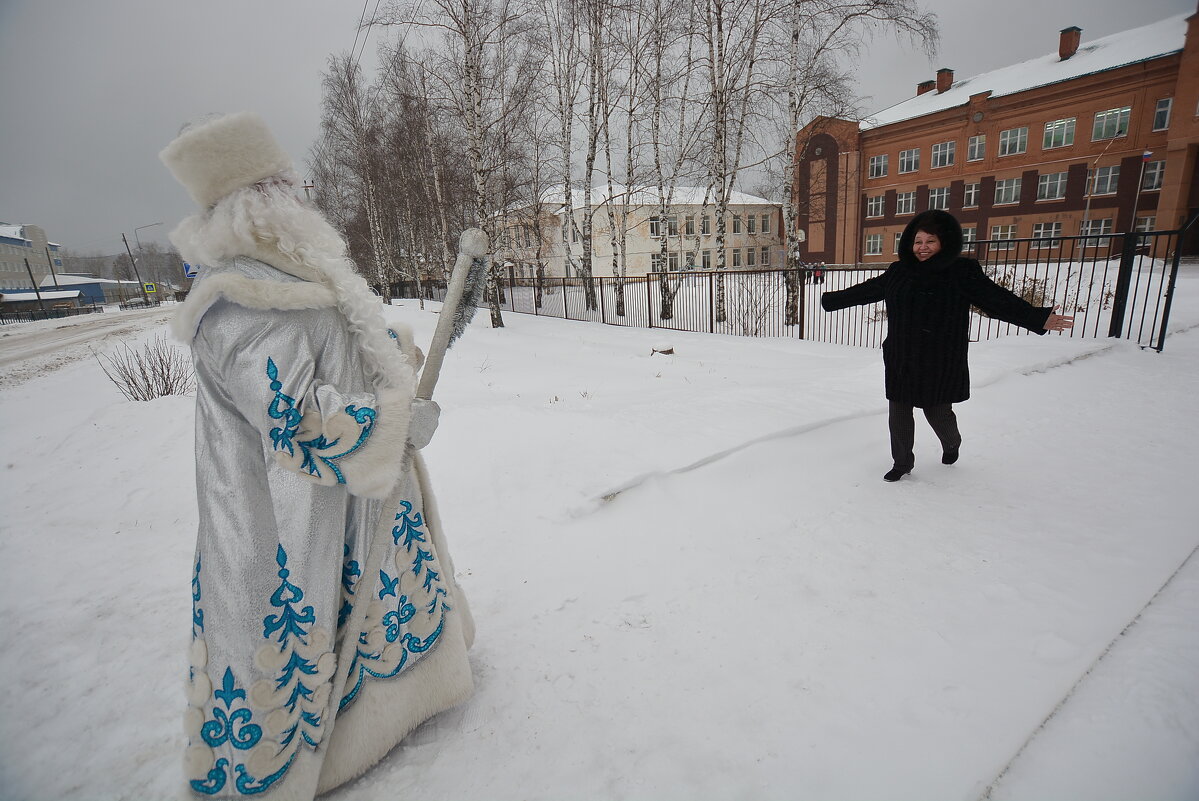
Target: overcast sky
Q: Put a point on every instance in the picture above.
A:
(93, 89)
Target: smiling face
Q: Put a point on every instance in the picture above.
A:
(926, 245)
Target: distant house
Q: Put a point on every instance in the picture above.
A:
(26, 243)
(92, 289)
(1095, 138)
(541, 235)
(27, 300)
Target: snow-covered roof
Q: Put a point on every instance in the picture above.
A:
(14, 297)
(65, 279)
(648, 196)
(12, 231)
(1120, 49)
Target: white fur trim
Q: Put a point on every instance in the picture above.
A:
(249, 292)
(387, 710)
(372, 471)
(217, 157)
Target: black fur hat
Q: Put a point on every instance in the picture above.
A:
(934, 221)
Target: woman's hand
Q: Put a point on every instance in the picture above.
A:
(1059, 322)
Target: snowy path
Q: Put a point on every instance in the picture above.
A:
(773, 623)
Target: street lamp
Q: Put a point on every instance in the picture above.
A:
(133, 261)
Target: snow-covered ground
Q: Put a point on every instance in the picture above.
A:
(750, 614)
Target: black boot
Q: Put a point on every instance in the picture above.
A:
(896, 473)
(949, 456)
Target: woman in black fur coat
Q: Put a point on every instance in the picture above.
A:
(928, 294)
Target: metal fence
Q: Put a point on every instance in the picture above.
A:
(1118, 285)
(46, 314)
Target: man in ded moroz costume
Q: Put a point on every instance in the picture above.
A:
(309, 662)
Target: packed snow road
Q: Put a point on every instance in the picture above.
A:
(29, 349)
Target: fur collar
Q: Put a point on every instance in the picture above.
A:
(253, 293)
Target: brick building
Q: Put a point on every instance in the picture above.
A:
(1099, 137)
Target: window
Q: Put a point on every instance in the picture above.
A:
(1013, 141)
(1051, 186)
(1145, 224)
(1093, 228)
(938, 198)
(878, 166)
(970, 197)
(706, 258)
(655, 262)
(905, 203)
(976, 148)
(766, 223)
(969, 234)
(909, 160)
(655, 227)
(943, 153)
(672, 224)
(1152, 177)
(690, 226)
(765, 255)
(528, 236)
(874, 244)
(1000, 234)
(736, 223)
(1046, 234)
(874, 206)
(751, 224)
(898, 239)
(751, 257)
(574, 233)
(736, 257)
(705, 225)
(1111, 124)
(1058, 133)
(672, 262)
(1007, 190)
(1161, 115)
(1104, 180)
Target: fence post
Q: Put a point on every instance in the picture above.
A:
(711, 303)
(565, 307)
(801, 279)
(649, 302)
(603, 315)
(1128, 255)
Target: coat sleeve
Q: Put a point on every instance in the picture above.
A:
(297, 381)
(997, 302)
(872, 290)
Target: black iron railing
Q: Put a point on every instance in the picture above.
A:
(1118, 285)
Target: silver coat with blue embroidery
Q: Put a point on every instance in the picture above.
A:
(299, 462)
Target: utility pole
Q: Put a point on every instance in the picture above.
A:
(50, 262)
(36, 291)
(135, 272)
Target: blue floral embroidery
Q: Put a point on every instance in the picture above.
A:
(236, 728)
(216, 779)
(407, 534)
(197, 613)
(283, 407)
(312, 448)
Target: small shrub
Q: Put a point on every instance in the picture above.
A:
(157, 370)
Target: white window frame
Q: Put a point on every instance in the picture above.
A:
(736, 223)
(1151, 177)
(1111, 124)
(1099, 232)
(879, 165)
(969, 233)
(736, 253)
(751, 258)
(898, 238)
(976, 147)
(938, 198)
(655, 262)
(765, 222)
(909, 160)
(1013, 141)
(905, 202)
(970, 194)
(751, 223)
(689, 225)
(1051, 185)
(1161, 114)
(1006, 188)
(655, 226)
(944, 154)
(765, 260)
(874, 245)
(1106, 177)
(706, 260)
(1056, 130)
(876, 206)
(1000, 236)
(1046, 235)
(705, 225)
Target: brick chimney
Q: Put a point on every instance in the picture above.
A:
(944, 79)
(925, 86)
(1068, 43)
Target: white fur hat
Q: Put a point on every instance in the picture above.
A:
(217, 156)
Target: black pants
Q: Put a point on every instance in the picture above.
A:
(903, 430)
